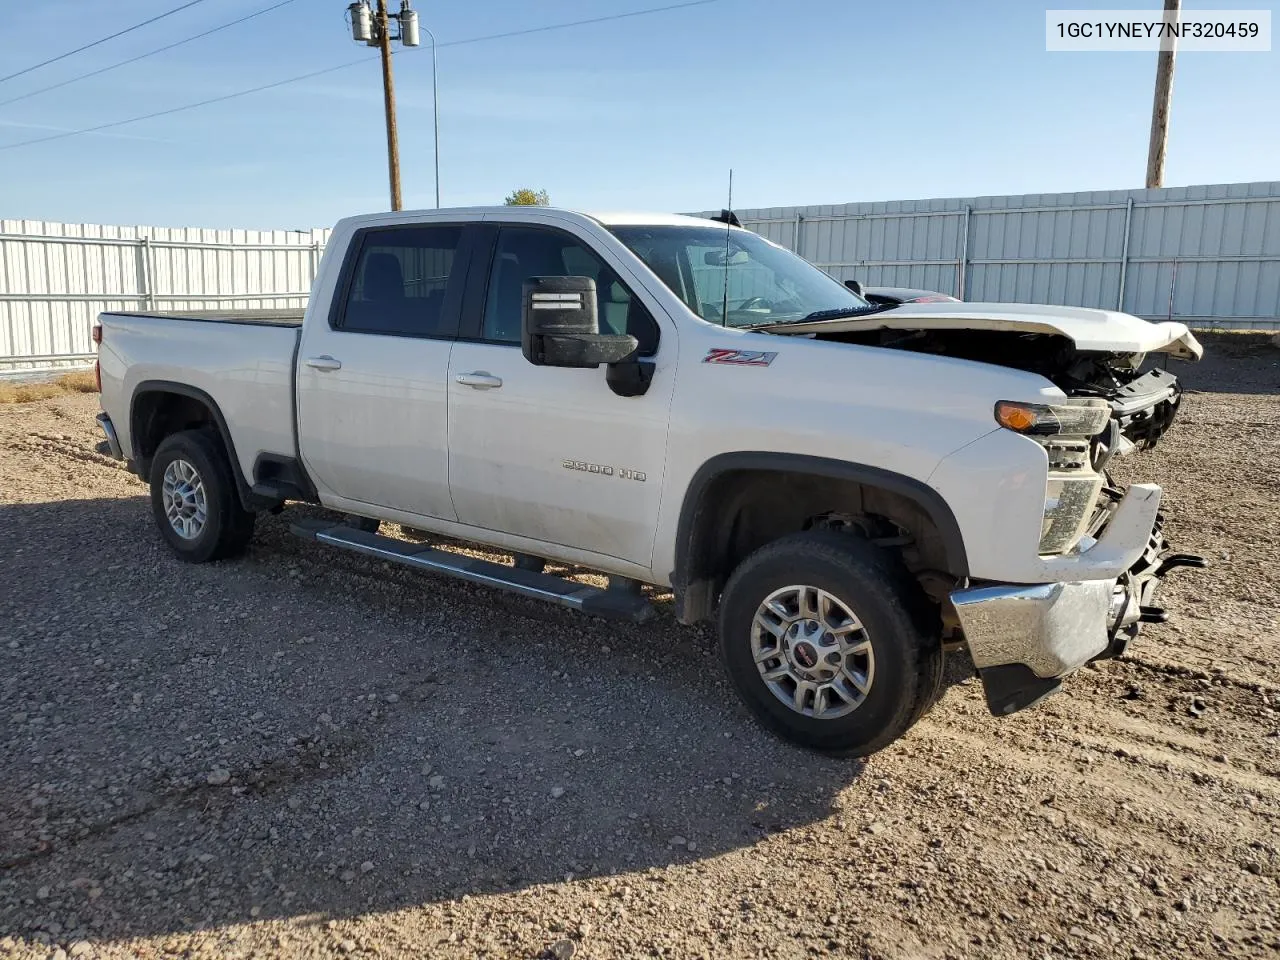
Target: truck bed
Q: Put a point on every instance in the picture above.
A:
(284, 317)
(242, 360)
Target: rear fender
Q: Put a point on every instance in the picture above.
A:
(140, 412)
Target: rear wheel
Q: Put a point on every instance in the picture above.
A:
(194, 499)
(826, 639)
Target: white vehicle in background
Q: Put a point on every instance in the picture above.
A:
(850, 490)
(896, 295)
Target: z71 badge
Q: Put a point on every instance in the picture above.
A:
(739, 358)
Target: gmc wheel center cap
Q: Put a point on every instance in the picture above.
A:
(805, 655)
(802, 640)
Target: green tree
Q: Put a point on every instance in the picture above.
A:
(526, 197)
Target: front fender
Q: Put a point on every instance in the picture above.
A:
(693, 585)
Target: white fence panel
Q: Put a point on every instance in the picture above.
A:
(55, 278)
(1206, 255)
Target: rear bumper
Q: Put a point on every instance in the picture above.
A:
(112, 443)
(1024, 639)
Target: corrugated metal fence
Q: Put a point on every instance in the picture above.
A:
(56, 278)
(1208, 255)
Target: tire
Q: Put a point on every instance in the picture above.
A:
(201, 476)
(883, 676)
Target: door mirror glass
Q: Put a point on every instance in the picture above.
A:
(560, 326)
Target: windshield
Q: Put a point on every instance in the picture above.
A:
(761, 283)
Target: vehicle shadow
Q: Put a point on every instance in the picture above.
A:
(305, 733)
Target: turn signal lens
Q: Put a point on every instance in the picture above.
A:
(1016, 416)
(1072, 418)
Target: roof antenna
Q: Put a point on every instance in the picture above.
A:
(728, 222)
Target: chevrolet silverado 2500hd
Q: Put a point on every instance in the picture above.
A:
(850, 489)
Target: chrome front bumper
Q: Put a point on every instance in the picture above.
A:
(1024, 639)
(112, 443)
(1051, 628)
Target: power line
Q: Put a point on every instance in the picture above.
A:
(120, 33)
(341, 66)
(190, 106)
(580, 23)
(143, 56)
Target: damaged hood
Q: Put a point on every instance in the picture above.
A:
(1104, 331)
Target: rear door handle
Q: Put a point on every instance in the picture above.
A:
(325, 362)
(479, 379)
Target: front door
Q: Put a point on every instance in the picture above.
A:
(549, 453)
(372, 396)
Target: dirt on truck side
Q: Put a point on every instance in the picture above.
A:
(304, 754)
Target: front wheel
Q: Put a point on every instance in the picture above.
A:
(194, 498)
(827, 640)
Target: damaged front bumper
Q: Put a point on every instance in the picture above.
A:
(1025, 639)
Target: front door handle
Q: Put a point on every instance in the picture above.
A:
(323, 363)
(479, 379)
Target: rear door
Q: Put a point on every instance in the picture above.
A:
(372, 395)
(549, 453)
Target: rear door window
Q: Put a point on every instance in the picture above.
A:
(404, 283)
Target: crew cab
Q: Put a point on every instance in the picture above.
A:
(851, 491)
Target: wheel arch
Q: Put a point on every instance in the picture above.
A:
(158, 408)
(716, 527)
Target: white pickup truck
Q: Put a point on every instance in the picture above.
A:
(851, 490)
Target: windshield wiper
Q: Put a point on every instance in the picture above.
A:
(839, 313)
(836, 313)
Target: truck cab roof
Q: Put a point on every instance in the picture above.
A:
(607, 218)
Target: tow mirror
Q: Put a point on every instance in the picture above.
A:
(855, 286)
(560, 328)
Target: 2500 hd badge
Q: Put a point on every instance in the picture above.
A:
(623, 473)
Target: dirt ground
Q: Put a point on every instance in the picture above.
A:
(306, 754)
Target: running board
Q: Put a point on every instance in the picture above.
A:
(610, 604)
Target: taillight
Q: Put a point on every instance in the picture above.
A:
(97, 365)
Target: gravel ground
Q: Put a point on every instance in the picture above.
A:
(302, 754)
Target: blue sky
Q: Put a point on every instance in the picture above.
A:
(810, 101)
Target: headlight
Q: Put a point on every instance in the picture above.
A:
(1072, 418)
(1063, 429)
(1068, 504)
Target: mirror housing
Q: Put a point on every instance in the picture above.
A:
(559, 326)
(855, 286)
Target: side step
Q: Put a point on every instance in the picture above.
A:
(612, 604)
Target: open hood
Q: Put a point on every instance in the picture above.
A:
(1103, 331)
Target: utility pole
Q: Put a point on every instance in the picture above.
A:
(389, 104)
(374, 29)
(1162, 101)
